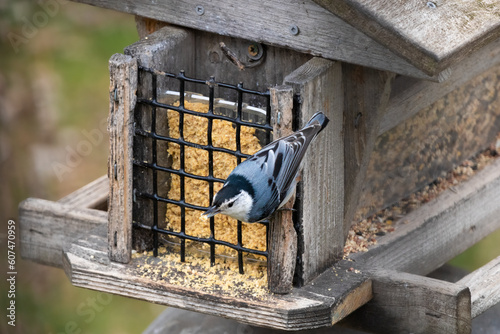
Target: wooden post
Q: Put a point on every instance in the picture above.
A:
(366, 95)
(122, 90)
(282, 235)
(321, 202)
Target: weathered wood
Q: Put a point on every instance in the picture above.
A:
(146, 26)
(199, 54)
(260, 74)
(321, 201)
(431, 35)
(484, 285)
(438, 231)
(87, 265)
(313, 30)
(163, 50)
(410, 96)
(46, 227)
(175, 321)
(122, 92)
(343, 286)
(91, 196)
(434, 140)
(282, 238)
(406, 303)
(366, 95)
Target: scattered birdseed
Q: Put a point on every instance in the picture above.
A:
(197, 191)
(364, 233)
(223, 278)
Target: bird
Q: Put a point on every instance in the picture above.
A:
(264, 182)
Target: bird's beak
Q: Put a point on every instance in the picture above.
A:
(211, 211)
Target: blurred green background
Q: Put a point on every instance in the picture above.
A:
(53, 90)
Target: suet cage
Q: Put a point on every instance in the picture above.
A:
(205, 138)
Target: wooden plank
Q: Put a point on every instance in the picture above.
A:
(411, 96)
(122, 90)
(431, 35)
(438, 231)
(343, 285)
(87, 265)
(313, 30)
(282, 238)
(406, 303)
(366, 95)
(268, 71)
(46, 227)
(321, 202)
(484, 286)
(91, 196)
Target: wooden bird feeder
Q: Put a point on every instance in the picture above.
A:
(411, 91)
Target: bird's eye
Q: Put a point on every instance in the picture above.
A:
(230, 205)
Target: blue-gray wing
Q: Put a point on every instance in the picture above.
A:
(275, 167)
(279, 162)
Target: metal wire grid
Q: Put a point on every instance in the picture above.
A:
(155, 105)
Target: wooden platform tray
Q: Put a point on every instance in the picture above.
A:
(71, 234)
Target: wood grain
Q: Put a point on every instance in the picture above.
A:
(432, 37)
(146, 26)
(484, 285)
(122, 91)
(269, 71)
(406, 303)
(91, 196)
(321, 202)
(87, 265)
(282, 238)
(162, 50)
(46, 227)
(320, 33)
(366, 95)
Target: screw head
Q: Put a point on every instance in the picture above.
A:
(200, 10)
(294, 30)
(255, 51)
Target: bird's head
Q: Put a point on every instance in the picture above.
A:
(231, 201)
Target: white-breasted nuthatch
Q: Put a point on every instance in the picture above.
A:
(265, 181)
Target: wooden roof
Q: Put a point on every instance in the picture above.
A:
(409, 37)
(431, 35)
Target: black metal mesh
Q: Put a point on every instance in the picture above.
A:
(153, 105)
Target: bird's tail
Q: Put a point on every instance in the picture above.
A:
(318, 118)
